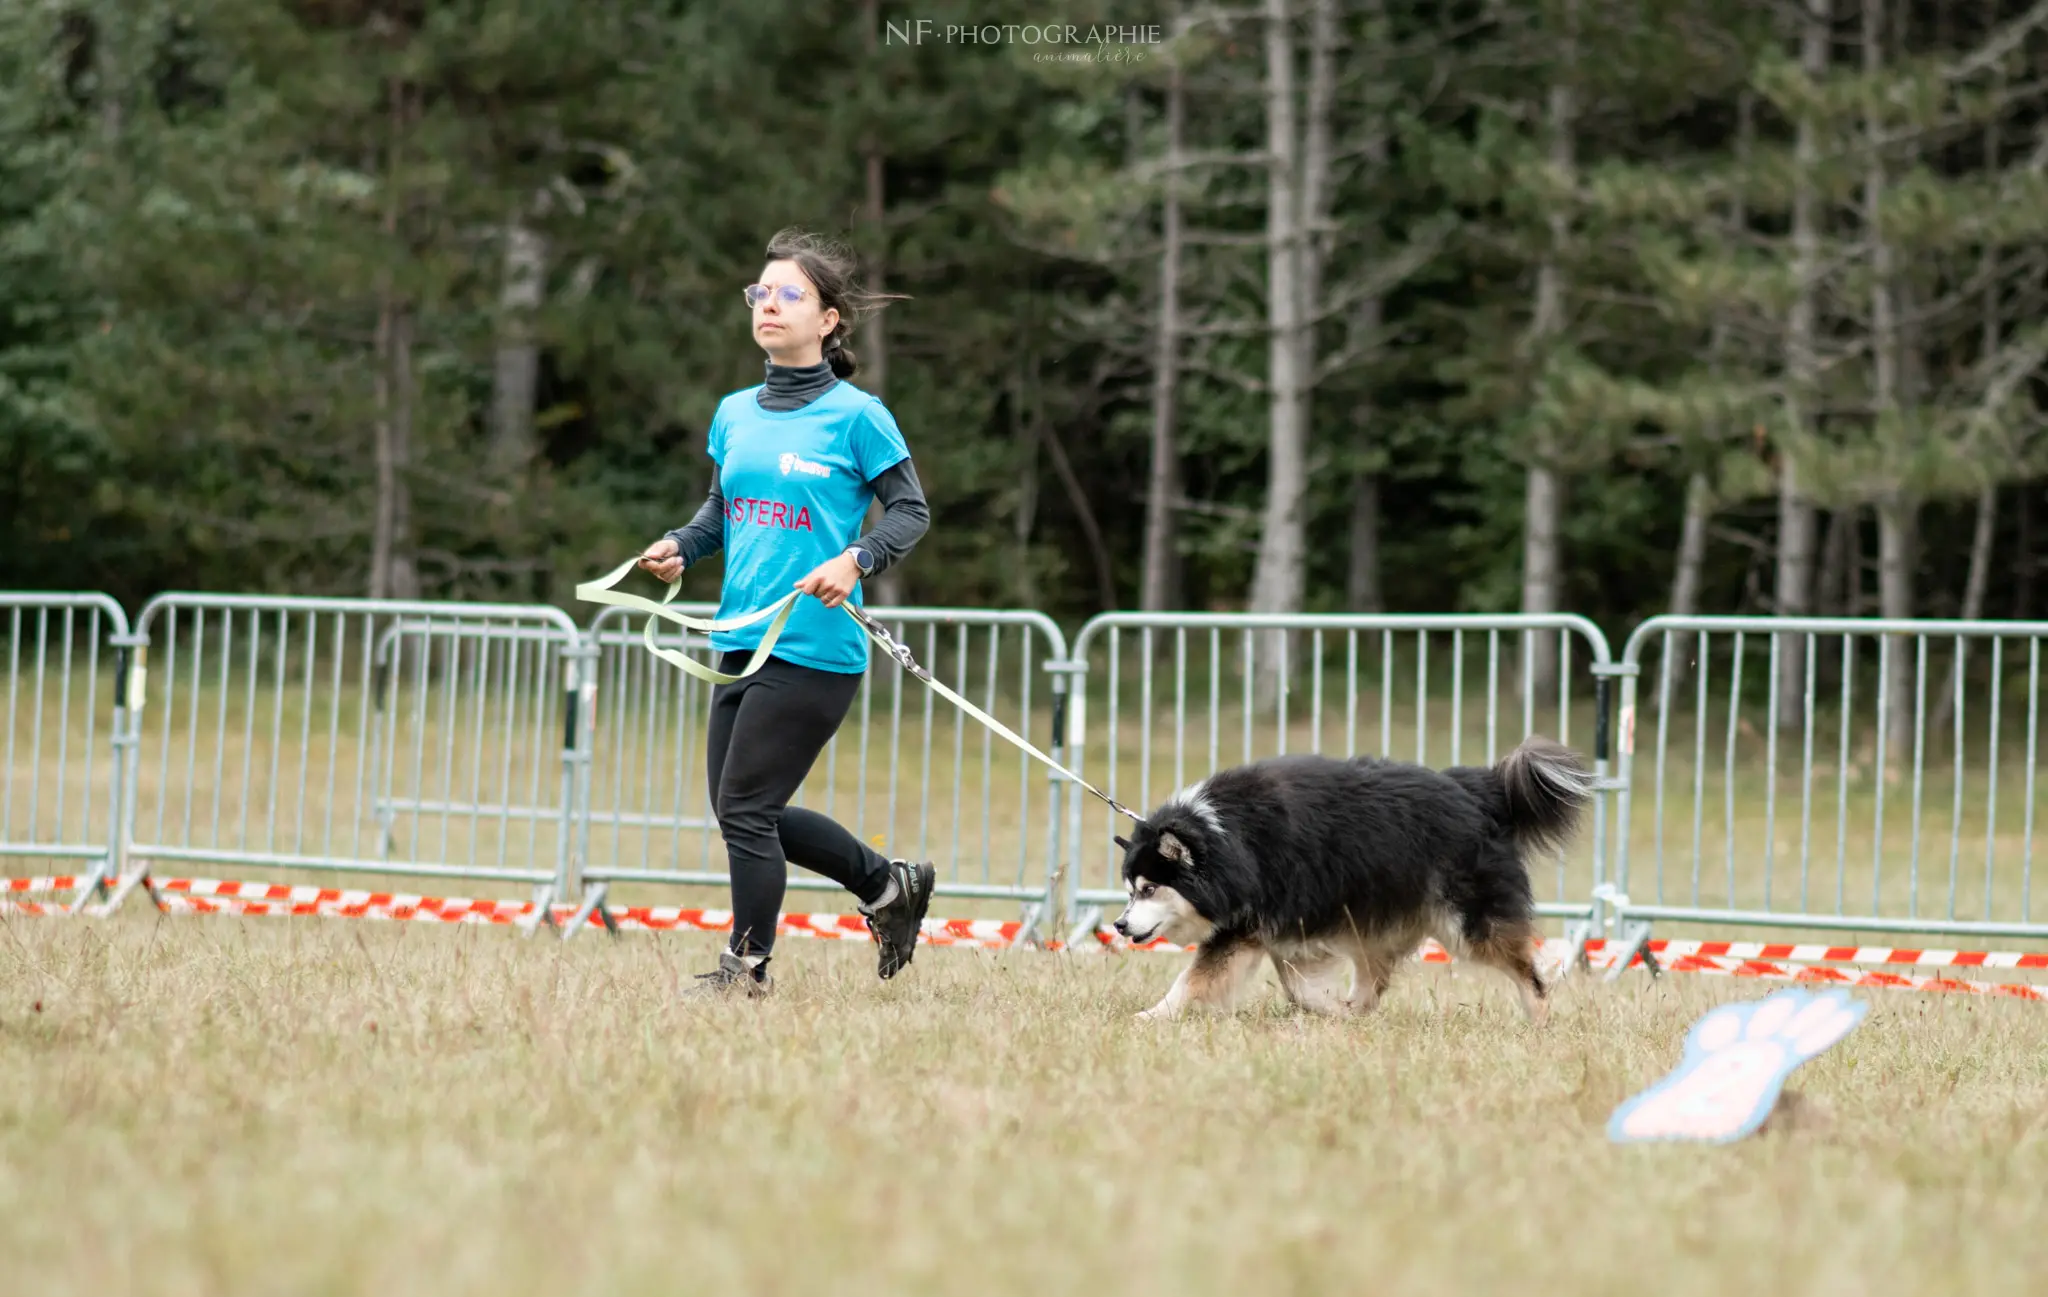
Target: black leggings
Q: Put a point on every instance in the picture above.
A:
(766, 732)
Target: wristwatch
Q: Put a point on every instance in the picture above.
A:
(861, 559)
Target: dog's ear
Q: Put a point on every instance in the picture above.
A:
(1172, 848)
(1121, 841)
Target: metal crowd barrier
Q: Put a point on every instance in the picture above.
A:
(70, 736)
(907, 772)
(1822, 774)
(1439, 689)
(1847, 774)
(361, 736)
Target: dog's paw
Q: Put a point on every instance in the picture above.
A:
(1737, 1059)
(1157, 1013)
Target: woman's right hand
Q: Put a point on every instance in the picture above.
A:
(664, 559)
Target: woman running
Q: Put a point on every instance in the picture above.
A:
(799, 459)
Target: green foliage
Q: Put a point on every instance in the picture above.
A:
(213, 218)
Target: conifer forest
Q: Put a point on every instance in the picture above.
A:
(1607, 306)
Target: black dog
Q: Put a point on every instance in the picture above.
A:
(1322, 862)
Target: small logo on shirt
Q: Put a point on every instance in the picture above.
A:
(792, 463)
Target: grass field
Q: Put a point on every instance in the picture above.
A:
(312, 1106)
(320, 1106)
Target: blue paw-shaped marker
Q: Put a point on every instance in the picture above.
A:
(1736, 1060)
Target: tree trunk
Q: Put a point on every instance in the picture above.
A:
(1362, 588)
(1543, 497)
(1362, 583)
(2023, 583)
(1984, 538)
(1159, 588)
(1024, 425)
(1897, 511)
(1828, 598)
(1794, 592)
(1084, 514)
(516, 373)
(109, 34)
(1279, 578)
(393, 570)
(887, 589)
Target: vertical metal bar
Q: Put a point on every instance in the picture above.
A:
(1728, 763)
(92, 709)
(170, 692)
(191, 735)
(1991, 768)
(1146, 652)
(249, 725)
(1699, 765)
(1029, 668)
(1564, 686)
(508, 741)
(2033, 792)
(1457, 695)
(1564, 729)
(1884, 693)
(1180, 707)
(1248, 655)
(480, 702)
(1215, 699)
(1809, 685)
(1315, 706)
(960, 654)
(421, 689)
(988, 752)
(1492, 695)
(649, 728)
(35, 765)
(220, 729)
(1771, 770)
(365, 688)
(64, 724)
(1664, 675)
(867, 711)
(276, 730)
(902, 634)
(1351, 693)
(1528, 682)
(1387, 693)
(924, 792)
(1286, 677)
(1919, 759)
(539, 698)
(1842, 776)
(305, 732)
(1421, 697)
(458, 633)
(1955, 826)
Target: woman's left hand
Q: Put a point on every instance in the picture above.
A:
(832, 581)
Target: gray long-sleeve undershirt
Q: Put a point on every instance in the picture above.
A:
(905, 515)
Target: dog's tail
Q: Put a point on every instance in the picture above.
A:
(1537, 791)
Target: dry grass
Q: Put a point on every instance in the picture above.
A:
(315, 1106)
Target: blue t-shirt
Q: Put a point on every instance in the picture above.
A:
(796, 493)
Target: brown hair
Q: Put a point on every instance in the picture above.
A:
(831, 266)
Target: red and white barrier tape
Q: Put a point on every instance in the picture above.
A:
(1764, 960)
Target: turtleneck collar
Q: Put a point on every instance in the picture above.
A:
(791, 387)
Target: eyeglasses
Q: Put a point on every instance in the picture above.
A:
(787, 294)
